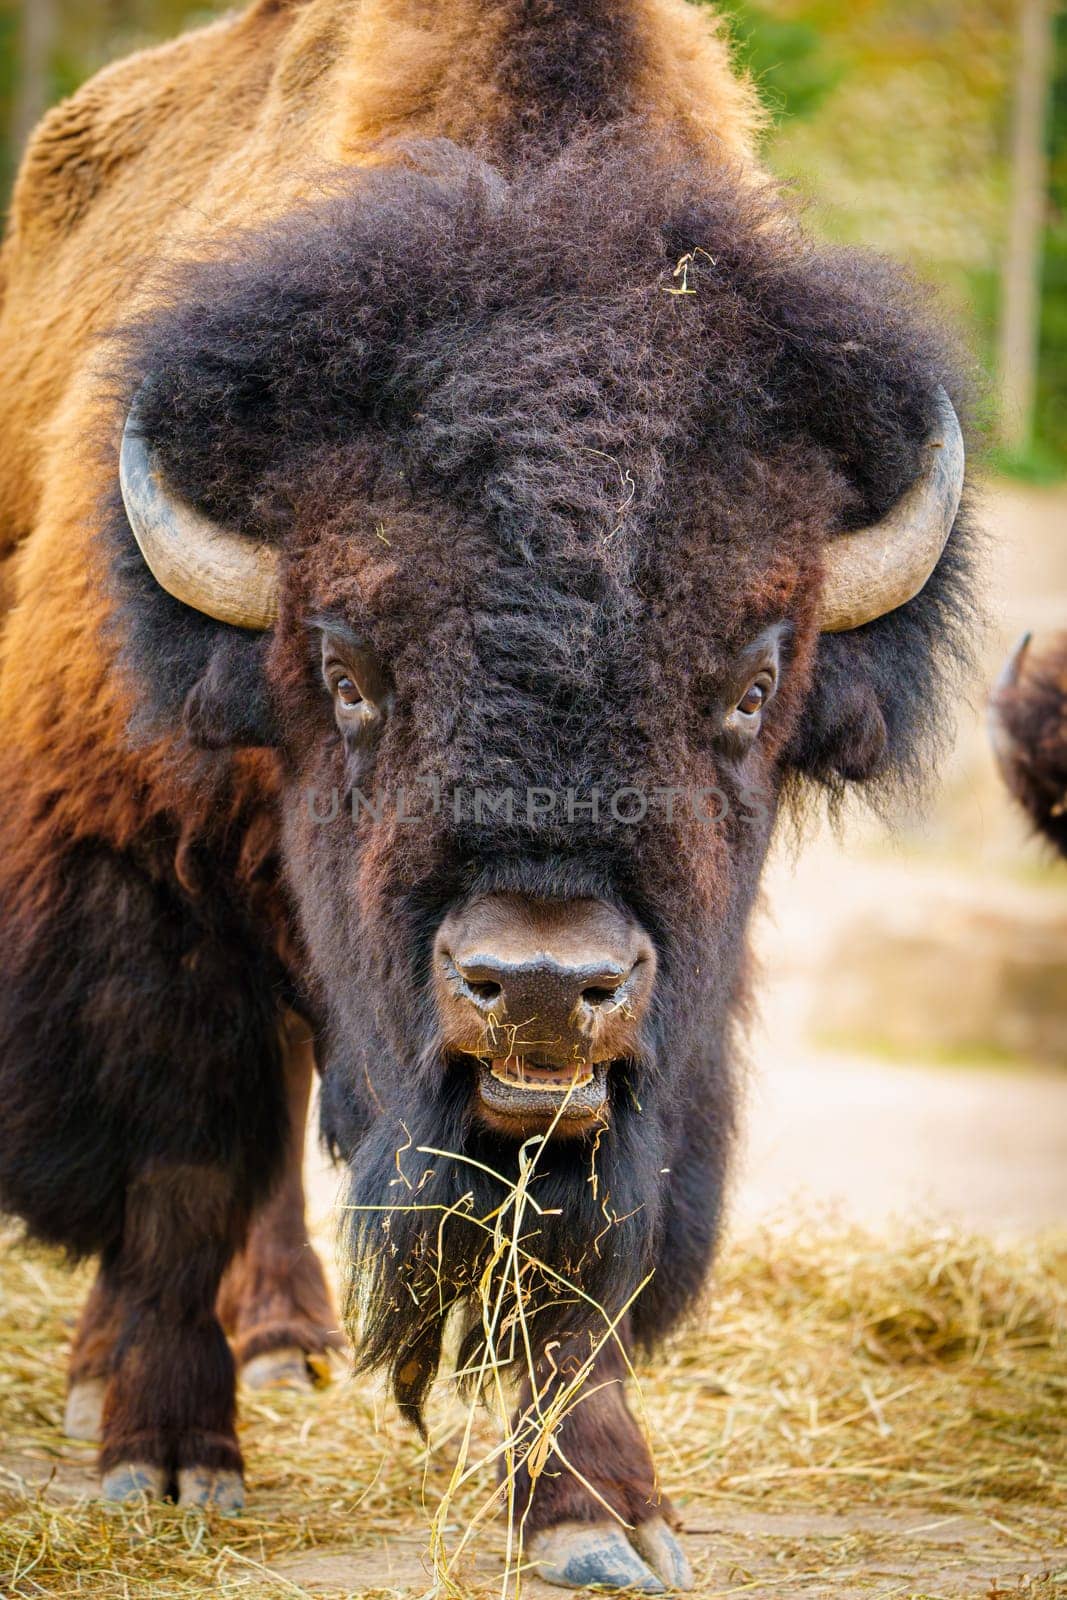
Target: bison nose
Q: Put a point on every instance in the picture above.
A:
(550, 981)
(544, 988)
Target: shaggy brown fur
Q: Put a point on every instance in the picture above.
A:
(273, 1296)
(455, 382)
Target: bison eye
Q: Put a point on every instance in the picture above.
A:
(753, 699)
(354, 678)
(347, 693)
(748, 709)
(355, 712)
(749, 689)
(743, 722)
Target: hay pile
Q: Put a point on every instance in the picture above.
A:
(845, 1399)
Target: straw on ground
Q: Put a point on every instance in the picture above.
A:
(836, 1383)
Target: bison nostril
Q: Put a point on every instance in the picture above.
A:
(543, 983)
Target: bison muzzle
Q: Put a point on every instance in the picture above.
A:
(543, 997)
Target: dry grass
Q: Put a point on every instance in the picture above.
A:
(835, 1375)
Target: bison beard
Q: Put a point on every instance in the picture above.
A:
(619, 1226)
(420, 1234)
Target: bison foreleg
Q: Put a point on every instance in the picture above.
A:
(143, 1123)
(91, 1361)
(274, 1302)
(169, 1406)
(596, 1516)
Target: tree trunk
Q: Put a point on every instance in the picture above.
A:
(1020, 313)
(34, 87)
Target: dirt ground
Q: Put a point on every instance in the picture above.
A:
(844, 1137)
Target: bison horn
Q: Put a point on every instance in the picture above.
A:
(227, 576)
(877, 569)
(1008, 752)
(1010, 672)
(221, 573)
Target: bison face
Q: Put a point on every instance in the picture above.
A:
(532, 485)
(526, 805)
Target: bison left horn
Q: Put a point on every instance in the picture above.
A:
(879, 568)
(227, 576)
(213, 570)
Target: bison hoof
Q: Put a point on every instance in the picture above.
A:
(214, 1490)
(664, 1553)
(131, 1480)
(581, 1555)
(84, 1416)
(289, 1368)
(211, 1489)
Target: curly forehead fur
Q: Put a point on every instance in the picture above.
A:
(611, 368)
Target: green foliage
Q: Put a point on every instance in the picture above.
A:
(88, 34)
(908, 154)
(8, 67)
(786, 56)
(1051, 429)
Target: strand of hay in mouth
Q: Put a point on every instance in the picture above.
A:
(834, 1372)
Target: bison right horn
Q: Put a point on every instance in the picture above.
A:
(213, 570)
(877, 569)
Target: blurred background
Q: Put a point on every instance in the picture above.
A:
(911, 1053)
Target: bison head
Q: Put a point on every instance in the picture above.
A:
(1028, 730)
(548, 529)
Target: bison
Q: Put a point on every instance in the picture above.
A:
(1028, 728)
(451, 507)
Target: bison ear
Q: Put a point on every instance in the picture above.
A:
(230, 703)
(843, 734)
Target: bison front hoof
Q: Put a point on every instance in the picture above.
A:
(582, 1555)
(132, 1480)
(289, 1368)
(84, 1416)
(220, 1490)
(664, 1553)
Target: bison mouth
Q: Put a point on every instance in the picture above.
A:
(521, 1095)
